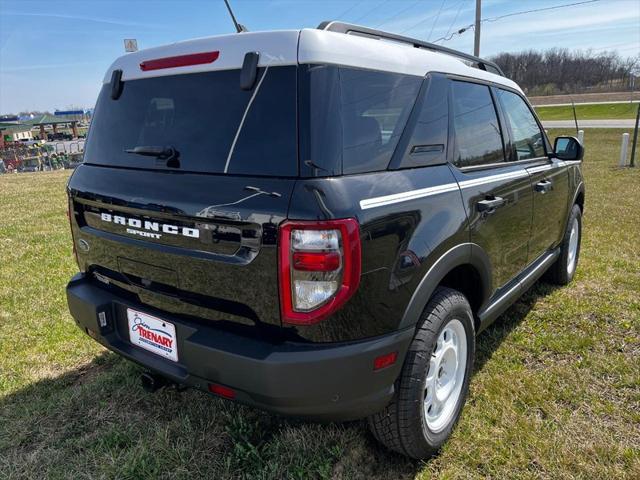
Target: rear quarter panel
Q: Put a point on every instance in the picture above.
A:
(400, 241)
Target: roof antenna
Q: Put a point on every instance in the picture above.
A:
(239, 27)
(575, 117)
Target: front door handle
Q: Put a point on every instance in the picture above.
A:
(490, 204)
(544, 186)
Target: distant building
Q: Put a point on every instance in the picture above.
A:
(12, 132)
(43, 122)
(77, 115)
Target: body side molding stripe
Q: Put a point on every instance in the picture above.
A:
(404, 196)
(429, 191)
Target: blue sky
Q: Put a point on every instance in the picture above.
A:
(53, 54)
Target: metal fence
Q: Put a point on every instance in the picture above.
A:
(69, 147)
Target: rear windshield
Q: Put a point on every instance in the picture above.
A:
(213, 124)
(352, 119)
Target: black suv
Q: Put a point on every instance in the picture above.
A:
(317, 222)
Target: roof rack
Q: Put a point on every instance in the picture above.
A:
(347, 28)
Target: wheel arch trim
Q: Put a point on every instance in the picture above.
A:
(462, 254)
(579, 190)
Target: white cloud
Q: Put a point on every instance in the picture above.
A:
(45, 66)
(85, 18)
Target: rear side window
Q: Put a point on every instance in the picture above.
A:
(351, 120)
(206, 117)
(478, 139)
(425, 140)
(526, 134)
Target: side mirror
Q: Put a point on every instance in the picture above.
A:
(568, 148)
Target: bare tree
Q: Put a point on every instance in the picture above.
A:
(560, 71)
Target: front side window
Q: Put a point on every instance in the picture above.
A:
(478, 139)
(527, 136)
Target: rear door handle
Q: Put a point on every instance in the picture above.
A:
(544, 186)
(490, 204)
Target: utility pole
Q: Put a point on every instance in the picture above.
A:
(476, 41)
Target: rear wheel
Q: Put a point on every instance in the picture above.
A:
(434, 381)
(562, 272)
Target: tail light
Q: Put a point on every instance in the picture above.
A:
(319, 264)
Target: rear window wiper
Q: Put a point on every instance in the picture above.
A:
(163, 153)
(170, 154)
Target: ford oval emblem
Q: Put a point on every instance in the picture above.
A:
(83, 245)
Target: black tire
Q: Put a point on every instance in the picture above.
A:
(560, 273)
(402, 425)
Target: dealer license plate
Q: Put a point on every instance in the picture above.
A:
(153, 334)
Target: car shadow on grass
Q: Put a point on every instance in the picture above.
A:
(490, 339)
(96, 420)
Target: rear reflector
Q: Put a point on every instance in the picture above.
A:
(180, 61)
(222, 391)
(385, 360)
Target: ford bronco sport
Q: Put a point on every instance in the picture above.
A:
(317, 222)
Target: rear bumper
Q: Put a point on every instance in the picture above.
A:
(319, 381)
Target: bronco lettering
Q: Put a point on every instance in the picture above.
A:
(148, 225)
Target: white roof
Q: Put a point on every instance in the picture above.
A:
(276, 48)
(290, 47)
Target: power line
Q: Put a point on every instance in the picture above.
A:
(460, 31)
(424, 20)
(398, 14)
(348, 10)
(494, 19)
(456, 17)
(433, 25)
(384, 2)
(471, 26)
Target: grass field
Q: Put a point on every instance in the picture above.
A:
(556, 392)
(589, 112)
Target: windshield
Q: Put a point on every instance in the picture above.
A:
(206, 118)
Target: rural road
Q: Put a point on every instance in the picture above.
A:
(585, 103)
(628, 123)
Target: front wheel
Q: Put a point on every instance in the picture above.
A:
(434, 381)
